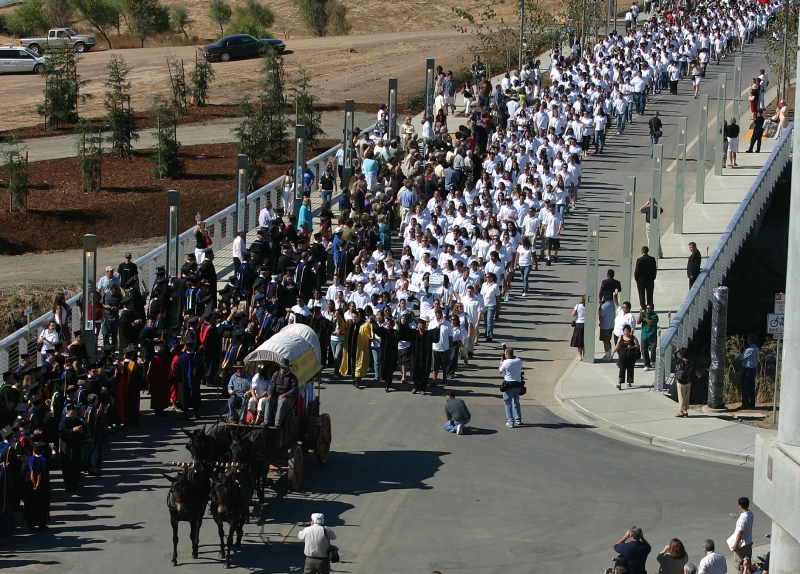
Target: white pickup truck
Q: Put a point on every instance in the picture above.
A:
(60, 38)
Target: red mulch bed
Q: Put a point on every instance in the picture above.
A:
(131, 204)
(196, 115)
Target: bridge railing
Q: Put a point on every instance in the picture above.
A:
(686, 321)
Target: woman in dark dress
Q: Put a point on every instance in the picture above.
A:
(387, 355)
(626, 350)
(36, 490)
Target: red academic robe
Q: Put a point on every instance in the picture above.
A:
(159, 380)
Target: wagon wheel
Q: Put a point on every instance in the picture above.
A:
(295, 467)
(324, 440)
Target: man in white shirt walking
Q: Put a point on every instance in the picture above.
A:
(511, 367)
(441, 348)
(712, 562)
(317, 538)
(743, 534)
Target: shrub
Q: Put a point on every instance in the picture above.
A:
(15, 175)
(166, 157)
(220, 12)
(28, 18)
(120, 118)
(61, 90)
(179, 19)
(200, 78)
(89, 145)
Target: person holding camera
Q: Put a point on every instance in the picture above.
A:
(511, 367)
(635, 548)
(683, 366)
(317, 540)
(628, 352)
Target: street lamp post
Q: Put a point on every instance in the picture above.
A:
(521, 32)
(700, 189)
(719, 156)
(680, 180)
(654, 243)
(429, 87)
(627, 237)
(89, 282)
(299, 161)
(392, 115)
(592, 250)
(349, 126)
(172, 262)
(241, 192)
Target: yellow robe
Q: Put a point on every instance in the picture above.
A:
(361, 351)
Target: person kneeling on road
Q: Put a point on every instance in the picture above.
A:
(280, 393)
(456, 413)
(511, 367)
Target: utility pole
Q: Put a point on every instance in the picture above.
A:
(521, 32)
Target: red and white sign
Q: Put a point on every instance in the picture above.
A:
(780, 301)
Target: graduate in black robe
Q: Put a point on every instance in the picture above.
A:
(210, 346)
(422, 342)
(71, 432)
(188, 379)
(36, 488)
(7, 525)
(388, 353)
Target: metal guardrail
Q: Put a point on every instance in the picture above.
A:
(697, 302)
(221, 229)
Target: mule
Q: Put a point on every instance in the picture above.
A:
(230, 503)
(186, 500)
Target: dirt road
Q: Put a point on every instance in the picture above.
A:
(341, 67)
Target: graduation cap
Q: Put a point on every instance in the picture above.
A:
(187, 267)
(161, 281)
(82, 376)
(78, 333)
(40, 447)
(22, 407)
(34, 387)
(193, 319)
(162, 332)
(8, 374)
(70, 405)
(239, 315)
(27, 370)
(71, 389)
(208, 312)
(126, 300)
(176, 327)
(109, 348)
(255, 248)
(24, 356)
(271, 308)
(259, 296)
(161, 270)
(238, 331)
(6, 431)
(225, 329)
(189, 339)
(131, 349)
(258, 282)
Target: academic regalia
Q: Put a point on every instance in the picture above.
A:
(319, 255)
(210, 340)
(387, 356)
(209, 273)
(97, 423)
(188, 382)
(131, 380)
(421, 354)
(7, 525)
(79, 350)
(158, 381)
(174, 379)
(36, 491)
(128, 329)
(355, 350)
(70, 451)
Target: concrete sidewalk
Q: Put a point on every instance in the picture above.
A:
(588, 390)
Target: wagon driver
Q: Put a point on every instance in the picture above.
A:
(281, 391)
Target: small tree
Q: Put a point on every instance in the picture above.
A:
(61, 90)
(179, 19)
(304, 105)
(167, 158)
(338, 25)
(273, 103)
(145, 17)
(252, 137)
(200, 78)
(101, 14)
(324, 17)
(89, 145)
(15, 174)
(177, 83)
(220, 12)
(28, 18)
(120, 118)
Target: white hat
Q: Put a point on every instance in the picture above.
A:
(318, 518)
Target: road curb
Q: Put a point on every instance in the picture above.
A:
(639, 436)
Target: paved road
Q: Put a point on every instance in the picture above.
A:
(403, 495)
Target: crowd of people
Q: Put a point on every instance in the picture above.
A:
(432, 235)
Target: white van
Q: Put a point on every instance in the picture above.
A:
(16, 59)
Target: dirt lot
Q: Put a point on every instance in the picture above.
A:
(343, 67)
(131, 204)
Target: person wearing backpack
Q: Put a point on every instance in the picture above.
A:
(318, 548)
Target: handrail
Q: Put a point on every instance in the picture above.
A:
(696, 304)
(220, 227)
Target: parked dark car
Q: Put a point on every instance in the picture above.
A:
(240, 47)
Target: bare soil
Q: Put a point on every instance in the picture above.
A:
(131, 203)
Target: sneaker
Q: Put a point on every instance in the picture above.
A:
(518, 422)
(510, 425)
(460, 429)
(647, 368)
(524, 294)
(548, 262)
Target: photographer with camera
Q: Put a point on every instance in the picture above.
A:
(511, 367)
(635, 548)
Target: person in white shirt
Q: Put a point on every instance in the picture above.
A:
(553, 225)
(712, 562)
(258, 396)
(473, 311)
(335, 287)
(441, 348)
(511, 367)
(266, 216)
(490, 292)
(239, 248)
(317, 538)
(743, 535)
(623, 317)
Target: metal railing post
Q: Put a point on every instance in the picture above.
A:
(654, 237)
(627, 237)
(702, 139)
(592, 249)
(680, 181)
(719, 156)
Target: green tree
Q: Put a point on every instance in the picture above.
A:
(89, 148)
(273, 101)
(179, 19)
(15, 174)
(61, 90)
(252, 18)
(59, 13)
(200, 78)
(120, 117)
(252, 137)
(145, 17)
(773, 45)
(314, 14)
(338, 25)
(167, 155)
(304, 106)
(177, 84)
(220, 12)
(101, 14)
(29, 18)
(493, 39)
